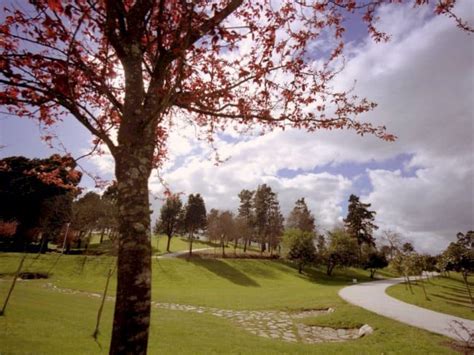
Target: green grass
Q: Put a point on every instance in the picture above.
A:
(43, 321)
(446, 295)
(177, 243)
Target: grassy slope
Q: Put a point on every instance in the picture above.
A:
(446, 295)
(41, 321)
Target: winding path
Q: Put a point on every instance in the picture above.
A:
(372, 296)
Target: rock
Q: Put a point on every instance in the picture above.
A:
(365, 330)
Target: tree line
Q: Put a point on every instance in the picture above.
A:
(40, 203)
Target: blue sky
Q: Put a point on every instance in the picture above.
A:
(421, 186)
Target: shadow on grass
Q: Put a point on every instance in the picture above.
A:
(224, 270)
(456, 289)
(459, 301)
(340, 276)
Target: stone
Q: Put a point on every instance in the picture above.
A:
(365, 330)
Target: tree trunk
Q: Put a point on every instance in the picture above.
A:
(300, 268)
(329, 269)
(409, 284)
(245, 245)
(223, 246)
(464, 276)
(102, 236)
(133, 295)
(372, 273)
(424, 289)
(168, 244)
(191, 237)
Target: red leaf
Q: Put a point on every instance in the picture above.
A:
(55, 5)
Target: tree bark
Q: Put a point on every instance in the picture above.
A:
(133, 295)
(245, 245)
(329, 269)
(168, 245)
(191, 243)
(102, 236)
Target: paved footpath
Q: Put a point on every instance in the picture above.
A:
(372, 296)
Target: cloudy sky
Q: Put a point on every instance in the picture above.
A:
(421, 186)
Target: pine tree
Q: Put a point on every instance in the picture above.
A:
(359, 222)
(301, 218)
(195, 217)
(246, 215)
(169, 218)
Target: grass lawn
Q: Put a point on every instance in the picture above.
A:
(177, 243)
(42, 321)
(446, 295)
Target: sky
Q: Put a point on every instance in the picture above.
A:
(421, 185)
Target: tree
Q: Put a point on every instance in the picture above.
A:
(25, 187)
(359, 222)
(262, 201)
(268, 218)
(342, 250)
(408, 248)
(55, 213)
(460, 257)
(394, 241)
(275, 225)
(299, 247)
(246, 215)
(132, 67)
(87, 212)
(169, 217)
(375, 260)
(301, 218)
(195, 217)
(221, 226)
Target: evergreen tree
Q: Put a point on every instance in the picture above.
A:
(169, 218)
(268, 218)
(195, 217)
(246, 216)
(360, 222)
(301, 218)
(275, 224)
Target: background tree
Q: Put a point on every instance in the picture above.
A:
(375, 260)
(55, 213)
(221, 227)
(394, 241)
(26, 185)
(408, 248)
(268, 218)
(341, 251)
(360, 222)
(460, 257)
(263, 200)
(169, 218)
(301, 218)
(195, 217)
(87, 212)
(109, 218)
(246, 216)
(275, 225)
(299, 246)
(227, 230)
(132, 67)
